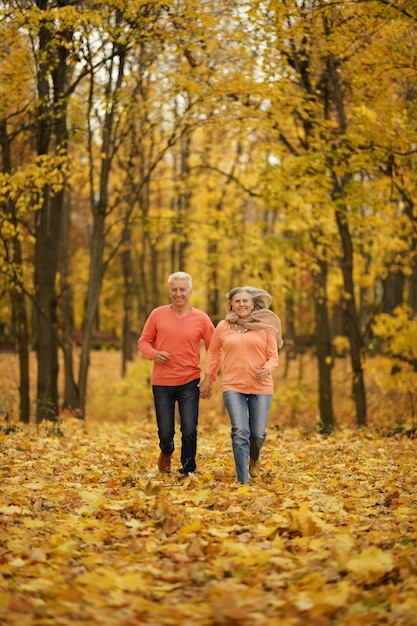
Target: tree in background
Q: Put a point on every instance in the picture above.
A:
(15, 72)
(269, 143)
(313, 61)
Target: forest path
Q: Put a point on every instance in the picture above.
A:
(90, 532)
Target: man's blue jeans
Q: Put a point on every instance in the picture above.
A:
(187, 396)
(249, 417)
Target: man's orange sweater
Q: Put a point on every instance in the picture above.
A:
(181, 337)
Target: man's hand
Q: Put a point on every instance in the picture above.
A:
(161, 357)
(205, 388)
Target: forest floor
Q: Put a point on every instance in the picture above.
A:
(91, 533)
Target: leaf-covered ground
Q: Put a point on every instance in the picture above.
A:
(90, 533)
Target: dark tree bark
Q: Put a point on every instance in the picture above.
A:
(71, 395)
(393, 292)
(180, 242)
(13, 250)
(323, 346)
(216, 304)
(412, 298)
(127, 269)
(352, 320)
(147, 287)
(52, 138)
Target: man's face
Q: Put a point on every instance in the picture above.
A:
(179, 292)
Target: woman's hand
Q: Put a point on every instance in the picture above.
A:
(262, 374)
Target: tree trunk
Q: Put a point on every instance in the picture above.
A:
(393, 292)
(95, 281)
(180, 242)
(216, 308)
(127, 298)
(52, 126)
(337, 98)
(324, 346)
(412, 291)
(46, 264)
(148, 292)
(71, 397)
(20, 320)
(99, 209)
(17, 295)
(352, 321)
(42, 326)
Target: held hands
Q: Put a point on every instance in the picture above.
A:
(161, 357)
(205, 388)
(262, 374)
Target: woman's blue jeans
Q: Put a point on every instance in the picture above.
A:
(187, 396)
(249, 418)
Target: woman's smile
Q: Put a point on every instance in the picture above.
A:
(242, 304)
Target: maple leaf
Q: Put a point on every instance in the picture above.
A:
(371, 564)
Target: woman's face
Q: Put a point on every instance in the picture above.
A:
(242, 304)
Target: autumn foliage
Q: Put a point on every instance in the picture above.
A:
(265, 142)
(91, 533)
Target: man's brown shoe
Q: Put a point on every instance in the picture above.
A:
(254, 467)
(164, 462)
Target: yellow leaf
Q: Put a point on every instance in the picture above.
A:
(133, 523)
(67, 546)
(5, 599)
(339, 595)
(101, 579)
(340, 547)
(94, 497)
(36, 486)
(163, 588)
(69, 593)
(10, 510)
(116, 506)
(371, 564)
(38, 556)
(207, 477)
(303, 521)
(152, 488)
(335, 597)
(133, 582)
(194, 527)
(32, 523)
(38, 585)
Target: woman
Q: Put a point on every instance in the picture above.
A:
(248, 338)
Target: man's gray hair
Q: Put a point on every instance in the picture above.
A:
(181, 276)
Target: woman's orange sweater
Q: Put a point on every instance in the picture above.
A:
(243, 354)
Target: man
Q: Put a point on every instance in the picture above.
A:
(172, 338)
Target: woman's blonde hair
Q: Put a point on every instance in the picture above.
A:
(260, 298)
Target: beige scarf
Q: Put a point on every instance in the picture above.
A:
(259, 318)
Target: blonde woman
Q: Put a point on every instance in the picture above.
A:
(248, 340)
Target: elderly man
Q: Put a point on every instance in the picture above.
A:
(172, 338)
